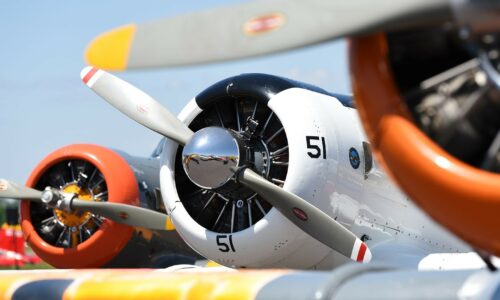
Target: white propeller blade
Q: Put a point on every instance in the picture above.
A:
(120, 213)
(125, 214)
(307, 217)
(12, 190)
(136, 104)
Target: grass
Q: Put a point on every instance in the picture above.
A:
(40, 266)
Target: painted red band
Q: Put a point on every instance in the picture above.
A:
(89, 75)
(361, 253)
(264, 23)
(300, 214)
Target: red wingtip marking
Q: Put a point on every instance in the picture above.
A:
(89, 75)
(361, 253)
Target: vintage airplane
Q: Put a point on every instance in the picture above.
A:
(254, 142)
(432, 78)
(290, 148)
(240, 161)
(77, 239)
(225, 217)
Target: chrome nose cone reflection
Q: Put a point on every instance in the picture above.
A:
(208, 157)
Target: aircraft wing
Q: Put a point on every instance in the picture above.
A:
(352, 281)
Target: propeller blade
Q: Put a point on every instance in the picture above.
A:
(121, 213)
(307, 217)
(125, 214)
(253, 28)
(12, 190)
(136, 104)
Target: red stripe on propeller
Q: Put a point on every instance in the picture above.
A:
(89, 75)
(361, 253)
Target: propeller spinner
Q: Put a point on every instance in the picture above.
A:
(209, 156)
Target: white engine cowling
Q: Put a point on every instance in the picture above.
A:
(321, 142)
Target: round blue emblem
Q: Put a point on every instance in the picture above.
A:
(354, 158)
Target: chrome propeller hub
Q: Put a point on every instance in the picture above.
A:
(209, 156)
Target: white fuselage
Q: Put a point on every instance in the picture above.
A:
(326, 171)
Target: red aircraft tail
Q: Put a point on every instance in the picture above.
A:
(12, 247)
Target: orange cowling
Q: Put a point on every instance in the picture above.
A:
(464, 199)
(110, 239)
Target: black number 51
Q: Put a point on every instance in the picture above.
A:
(225, 243)
(312, 143)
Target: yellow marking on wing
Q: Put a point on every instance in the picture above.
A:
(162, 285)
(111, 49)
(147, 284)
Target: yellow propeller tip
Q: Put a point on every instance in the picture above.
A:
(111, 49)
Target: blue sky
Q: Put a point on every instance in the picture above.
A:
(44, 105)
